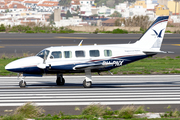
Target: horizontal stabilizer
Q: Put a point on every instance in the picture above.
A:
(155, 52)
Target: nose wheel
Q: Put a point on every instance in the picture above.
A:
(22, 84)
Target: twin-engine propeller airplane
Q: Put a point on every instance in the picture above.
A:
(91, 58)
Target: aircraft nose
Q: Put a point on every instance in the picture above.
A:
(11, 66)
(23, 64)
(8, 66)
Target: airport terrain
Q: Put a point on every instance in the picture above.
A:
(16, 44)
(155, 92)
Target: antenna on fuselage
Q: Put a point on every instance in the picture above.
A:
(80, 44)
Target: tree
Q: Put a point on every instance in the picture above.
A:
(117, 22)
(100, 2)
(95, 15)
(118, 1)
(68, 14)
(106, 2)
(65, 3)
(177, 1)
(116, 14)
(110, 3)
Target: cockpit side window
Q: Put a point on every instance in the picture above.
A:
(43, 54)
(56, 54)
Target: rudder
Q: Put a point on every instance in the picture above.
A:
(153, 37)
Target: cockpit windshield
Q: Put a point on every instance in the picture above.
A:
(43, 54)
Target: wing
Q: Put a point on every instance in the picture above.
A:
(92, 66)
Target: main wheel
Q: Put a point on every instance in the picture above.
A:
(58, 81)
(22, 83)
(87, 84)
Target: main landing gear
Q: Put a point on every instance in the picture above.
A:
(22, 83)
(60, 80)
(88, 79)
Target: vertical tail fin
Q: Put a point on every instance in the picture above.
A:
(153, 37)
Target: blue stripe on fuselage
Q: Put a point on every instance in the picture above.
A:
(69, 68)
(118, 60)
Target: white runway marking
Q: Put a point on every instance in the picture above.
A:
(107, 90)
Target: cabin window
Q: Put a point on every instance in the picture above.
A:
(56, 54)
(107, 53)
(43, 54)
(67, 54)
(80, 53)
(94, 53)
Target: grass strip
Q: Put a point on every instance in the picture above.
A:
(157, 65)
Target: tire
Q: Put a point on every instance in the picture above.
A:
(87, 84)
(21, 84)
(58, 82)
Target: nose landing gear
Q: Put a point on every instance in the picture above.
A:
(22, 83)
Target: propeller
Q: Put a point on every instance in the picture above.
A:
(43, 65)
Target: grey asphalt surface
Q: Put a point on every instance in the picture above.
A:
(16, 44)
(156, 92)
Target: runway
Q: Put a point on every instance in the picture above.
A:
(22, 44)
(153, 91)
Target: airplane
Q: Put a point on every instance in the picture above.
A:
(90, 58)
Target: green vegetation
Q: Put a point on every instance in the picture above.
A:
(115, 31)
(32, 28)
(111, 3)
(136, 21)
(68, 14)
(94, 109)
(165, 65)
(168, 31)
(116, 14)
(3, 62)
(65, 3)
(91, 112)
(28, 110)
(2, 28)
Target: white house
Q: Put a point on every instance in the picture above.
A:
(85, 10)
(105, 11)
(86, 2)
(150, 4)
(15, 6)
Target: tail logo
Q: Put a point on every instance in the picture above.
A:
(158, 35)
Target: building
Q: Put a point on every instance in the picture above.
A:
(105, 11)
(15, 6)
(161, 10)
(109, 22)
(150, 4)
(75, 3)
(87, 2)
(172, 5)
(47, 6)
(139, 4)
(163, 2)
